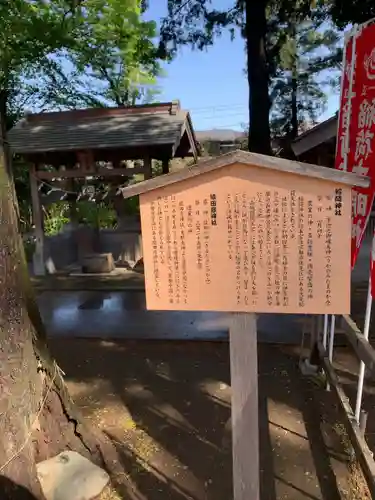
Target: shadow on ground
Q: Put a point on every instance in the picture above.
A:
(12, 491)
(166, 406)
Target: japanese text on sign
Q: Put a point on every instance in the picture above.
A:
(271, 248)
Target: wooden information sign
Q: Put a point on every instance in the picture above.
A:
(247, 233)
(247, 239)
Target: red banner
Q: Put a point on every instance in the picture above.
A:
(356, 133)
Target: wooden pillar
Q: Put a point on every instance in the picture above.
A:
(86, 162)
(73, 225)
(245, 428)
(165, 166)
(73, 206)
(38, 257)
(147, 165)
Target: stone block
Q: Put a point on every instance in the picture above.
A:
(98, 263)
(70, 476)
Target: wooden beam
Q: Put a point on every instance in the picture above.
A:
(38, 257)
(356, 437)
(100, 172)
(190, 134)
(245, 428)
(178, 140)
(86, 161)
(68, 157)
(165, 166)
(82, 282)
(360, 345)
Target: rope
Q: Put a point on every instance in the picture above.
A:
(65, 191)
(32, 427)
(54, 188)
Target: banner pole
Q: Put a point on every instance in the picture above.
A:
(331, 337)
(354, 34)
(325, 331)
(331, 342)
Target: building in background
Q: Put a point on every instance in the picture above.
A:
(318, 144)
(219, 141)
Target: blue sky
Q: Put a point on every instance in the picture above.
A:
(211, 84)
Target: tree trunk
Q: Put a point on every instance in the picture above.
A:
(6, 172)
(294, 75)
(294, 124)
(258, 78)
(38, 418)
(294, 115)
(4, 135)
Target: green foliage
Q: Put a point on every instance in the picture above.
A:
(30, 30)
(131, 205)
(196, 23)
(115, 52)
(157, 168)
(66, 54)
(106, 216)
(70, 54)
(58, 85)
(56, 216)
(345, 12)
(299, 48)
(275, 75)
(96, 215)
(90, 213)
(300, 83)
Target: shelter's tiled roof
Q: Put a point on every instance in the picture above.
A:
(107, 128)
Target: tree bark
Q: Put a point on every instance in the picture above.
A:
(258, 77)
(294, 80)
(38, 417)
(294, 124)
(4, 135)
(6, 177)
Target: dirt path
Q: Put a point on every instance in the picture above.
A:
(166, 406)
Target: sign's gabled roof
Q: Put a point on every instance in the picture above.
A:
(251, 159)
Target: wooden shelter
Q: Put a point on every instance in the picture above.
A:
(70, 146)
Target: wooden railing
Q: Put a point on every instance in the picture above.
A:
(365, 353)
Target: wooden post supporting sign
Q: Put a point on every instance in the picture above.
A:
(245, 428)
